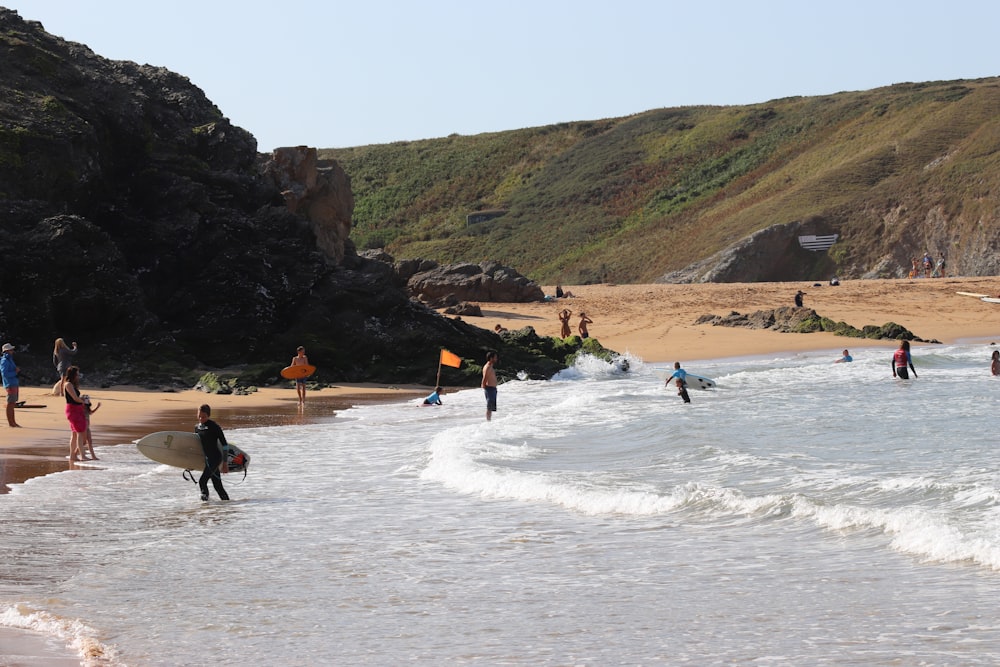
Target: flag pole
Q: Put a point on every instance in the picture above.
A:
(438, 383)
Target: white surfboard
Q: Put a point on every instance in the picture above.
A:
(182, 449)
(693, 381)
(990, 299)
(975, 294)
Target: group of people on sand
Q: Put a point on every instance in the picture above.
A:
(565, 331)
(78, 405)
(925, 267)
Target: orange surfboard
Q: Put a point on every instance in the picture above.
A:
(297, 372)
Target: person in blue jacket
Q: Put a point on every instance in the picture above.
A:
(8, 370)
(680, 376)
(434, 398)
(847, 357)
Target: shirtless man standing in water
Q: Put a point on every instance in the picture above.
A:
(490, 383)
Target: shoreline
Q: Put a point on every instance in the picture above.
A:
(41, 445)
(652, 321)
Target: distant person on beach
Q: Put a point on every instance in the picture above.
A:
(62, 359)
(928, 264)
(939, 267)
(584, 321)
(213, 442)
(564, 316)
(88, 438)
(500, 329)
(434, 398)
(914, 268)
(901, 359)
(76, 414)
(8, 371)
(995, 363)
(798, 298)
(559, 292)
(489, 383)
(300, 359)
(847, 357)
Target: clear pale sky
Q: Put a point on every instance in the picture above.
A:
(329, 73)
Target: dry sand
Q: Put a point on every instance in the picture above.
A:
(655, 322)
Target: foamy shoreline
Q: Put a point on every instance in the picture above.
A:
(655, 322)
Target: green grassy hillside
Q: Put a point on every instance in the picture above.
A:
(895, 171)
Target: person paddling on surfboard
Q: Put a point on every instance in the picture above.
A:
(213, 440)
(300, 359)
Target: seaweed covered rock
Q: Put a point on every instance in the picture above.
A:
(789, 319)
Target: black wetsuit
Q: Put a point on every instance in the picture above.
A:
(212, 442)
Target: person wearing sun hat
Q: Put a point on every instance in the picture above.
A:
(8, 371)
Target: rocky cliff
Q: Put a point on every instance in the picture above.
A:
(140, 222)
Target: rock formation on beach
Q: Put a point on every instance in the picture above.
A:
(140, 222)
(789, 319)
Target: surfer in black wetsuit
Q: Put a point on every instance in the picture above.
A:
(212, 441)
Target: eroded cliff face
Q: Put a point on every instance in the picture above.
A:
(140, 222)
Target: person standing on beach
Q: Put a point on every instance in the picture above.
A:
(8, 371)
(62, 357)
(798, 298)
(489, 383)
(584, 321)
(213, 444)
(901, 359)
(75, 413)
(300, 359)
(88, 437)
(564, 316)
(995, 363)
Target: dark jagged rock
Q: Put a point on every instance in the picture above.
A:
(488, 281)
(140, 222)
(789, 319)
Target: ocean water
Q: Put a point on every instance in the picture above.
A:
(802, 513)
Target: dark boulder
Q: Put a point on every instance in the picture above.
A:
(488, 281)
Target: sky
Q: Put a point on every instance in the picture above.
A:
(335, 74)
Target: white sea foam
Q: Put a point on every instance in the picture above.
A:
(596, 519)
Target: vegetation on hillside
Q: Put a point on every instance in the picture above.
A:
(895, 171)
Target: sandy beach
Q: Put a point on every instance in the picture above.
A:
(655, 322)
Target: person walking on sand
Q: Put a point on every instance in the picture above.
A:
(300, 359)
(8, 371)
(844, 359)
(584, 321)
(75, 413)
(489, 383)
(62, 359)
(901, 359)
(213, 445)
(995, 363)
(564, 316)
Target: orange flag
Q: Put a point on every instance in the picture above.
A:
(450, 359)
